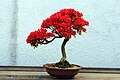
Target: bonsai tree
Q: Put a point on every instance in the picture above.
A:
(63, 24)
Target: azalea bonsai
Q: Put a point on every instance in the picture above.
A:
(63, 24)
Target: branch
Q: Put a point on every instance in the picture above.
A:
(54, 30)
(45, 41)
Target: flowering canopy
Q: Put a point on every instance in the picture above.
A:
(64, 23)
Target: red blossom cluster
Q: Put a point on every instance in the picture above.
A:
(64, 23)
(38, 36)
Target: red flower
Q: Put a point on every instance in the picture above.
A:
(80, 22)
(46, 23)
(64, 23)
(84, 29)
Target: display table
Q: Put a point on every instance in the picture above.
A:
(39, 73)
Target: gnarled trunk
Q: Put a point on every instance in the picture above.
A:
(63, 50)
(63, 62)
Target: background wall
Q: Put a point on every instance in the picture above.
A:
(99, 47)
(8, 30)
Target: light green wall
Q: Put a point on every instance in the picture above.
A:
(99, 47)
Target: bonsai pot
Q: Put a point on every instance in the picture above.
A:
(62, 72)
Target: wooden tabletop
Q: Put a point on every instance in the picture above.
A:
(39, 73)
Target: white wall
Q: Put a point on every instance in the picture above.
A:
(99, 47)
(6, 32)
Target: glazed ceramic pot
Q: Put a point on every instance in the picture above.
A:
(62, 72)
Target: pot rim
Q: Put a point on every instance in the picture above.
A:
(47, 67)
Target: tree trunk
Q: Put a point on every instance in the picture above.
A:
(63, 50)
(63, 62)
